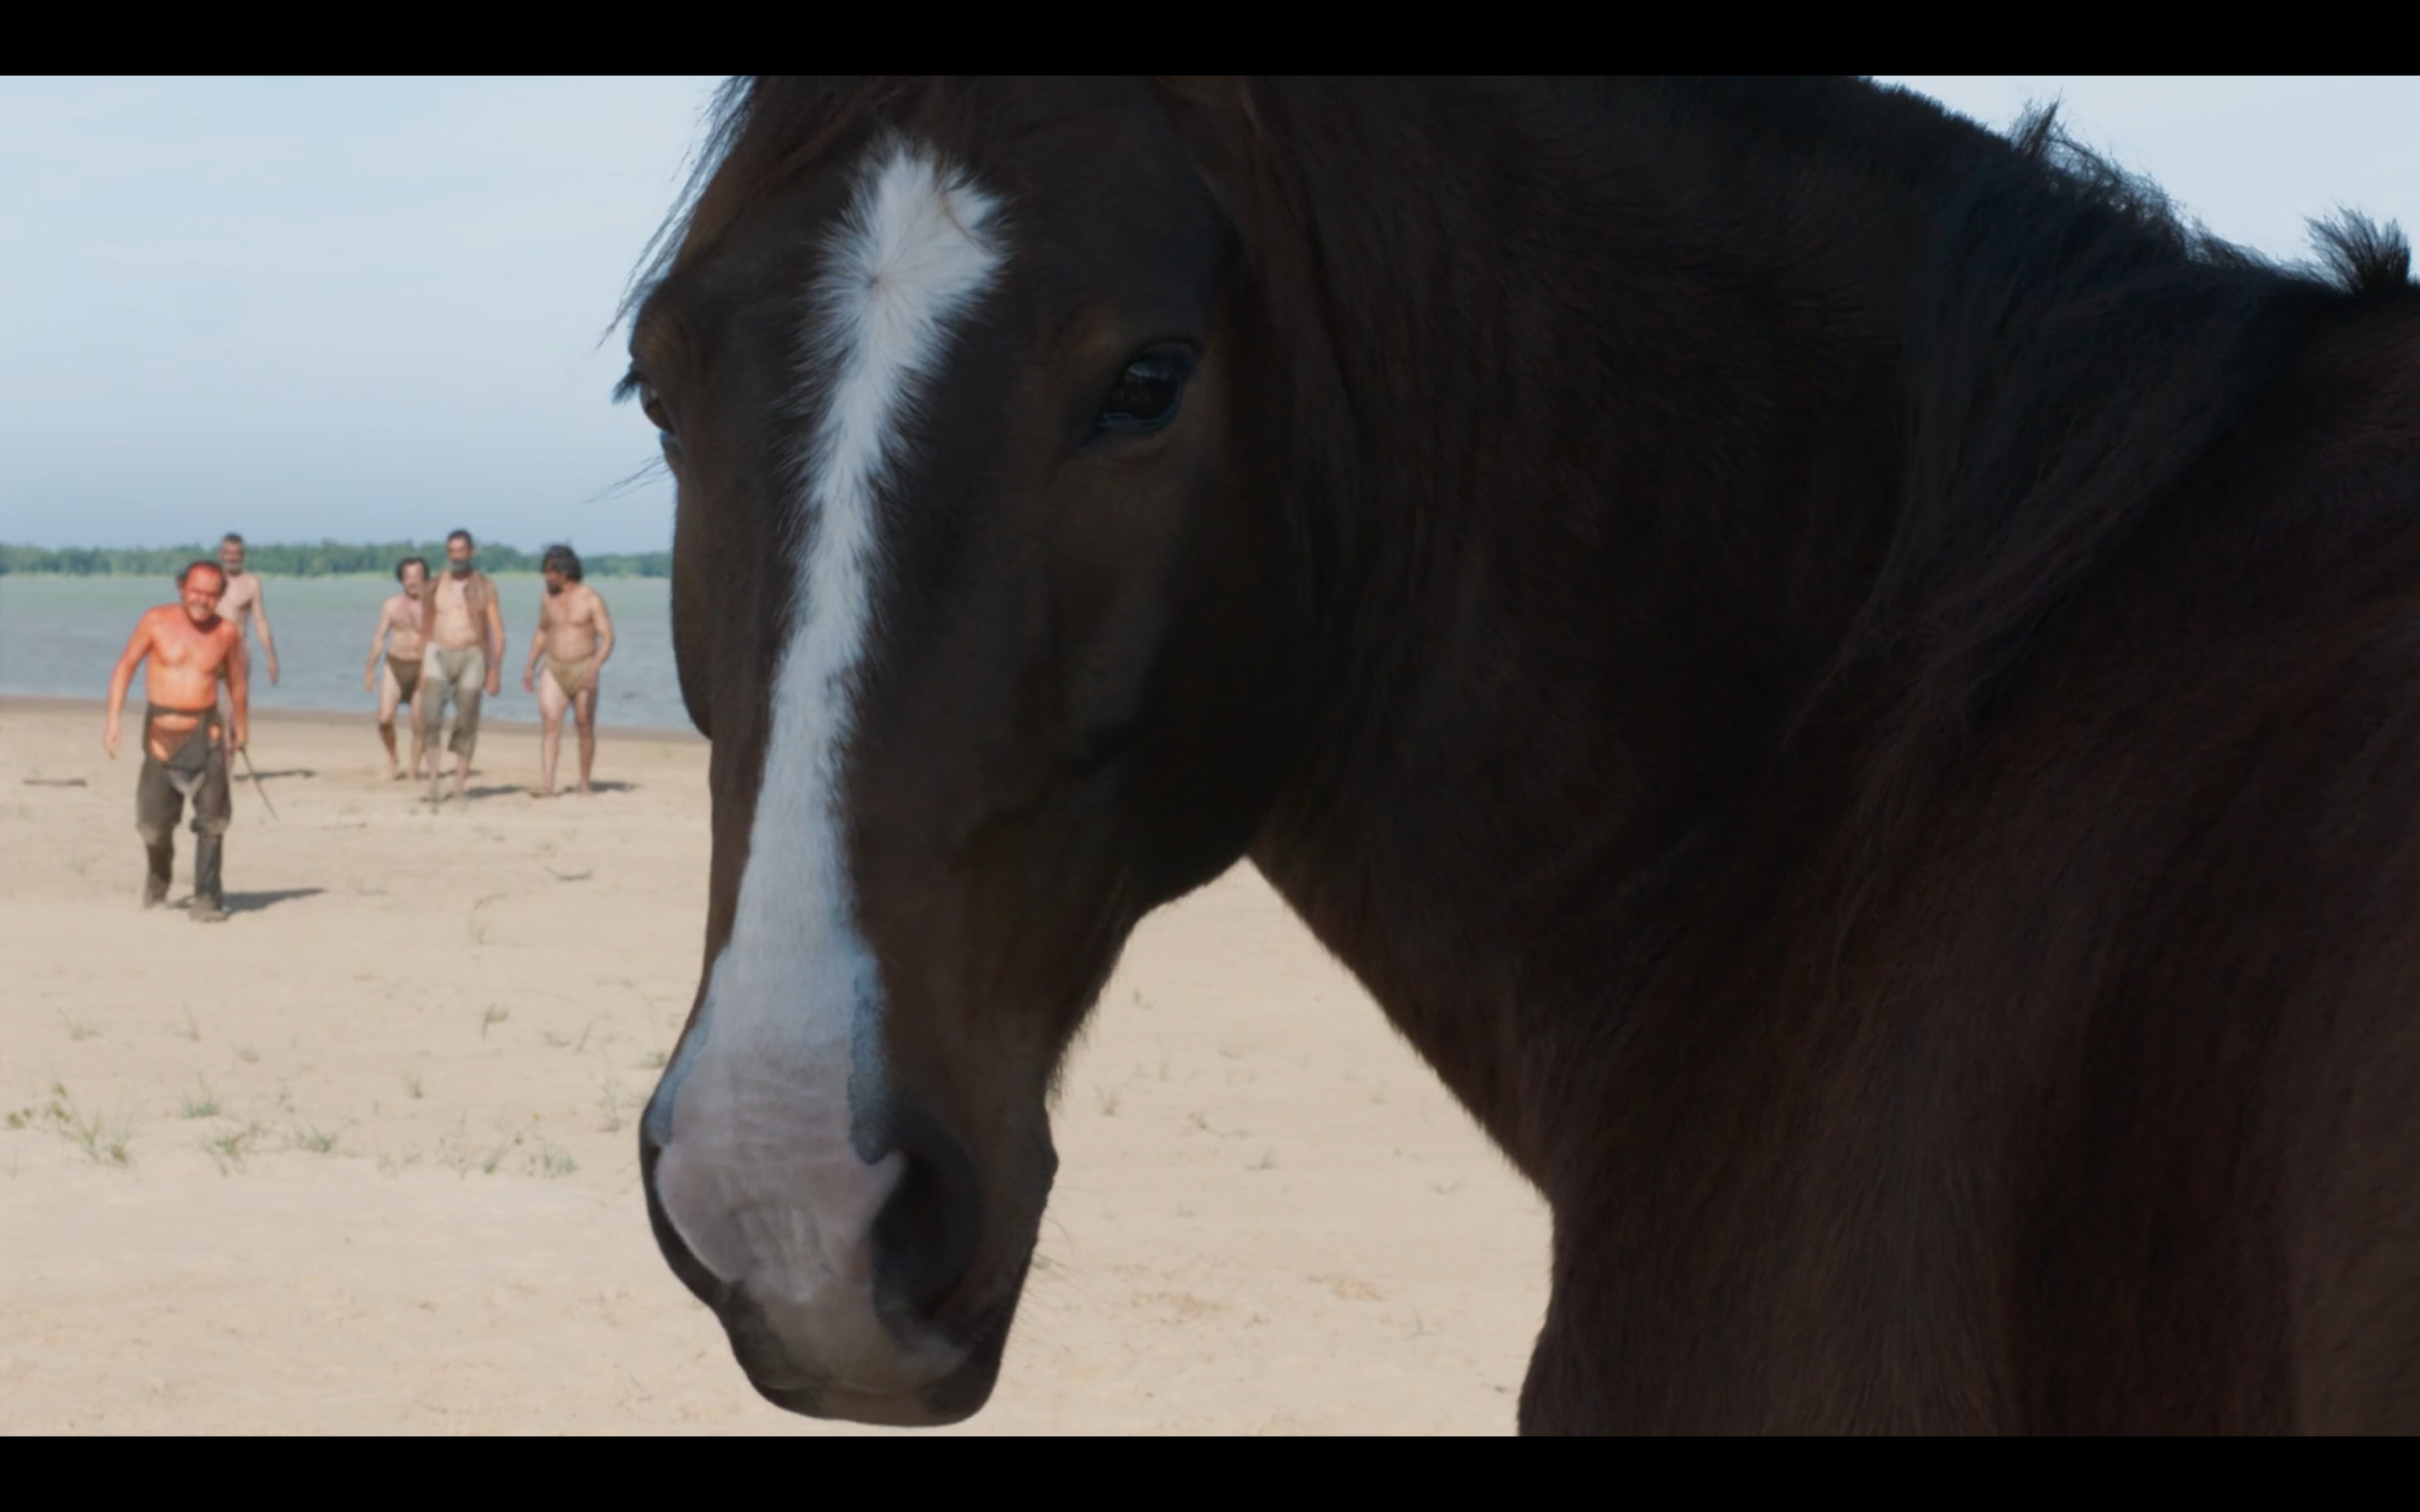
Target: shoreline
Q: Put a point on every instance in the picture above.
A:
(29, 703)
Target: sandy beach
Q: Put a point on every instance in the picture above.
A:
(363, 1160)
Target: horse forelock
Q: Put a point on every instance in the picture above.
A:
(761, 133)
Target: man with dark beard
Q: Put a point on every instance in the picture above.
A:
(574, 637)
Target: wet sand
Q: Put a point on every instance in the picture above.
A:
(361, 1159)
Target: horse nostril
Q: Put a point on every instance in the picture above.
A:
(926, 1237)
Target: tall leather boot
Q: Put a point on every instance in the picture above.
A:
(210, 907)
(155, 884)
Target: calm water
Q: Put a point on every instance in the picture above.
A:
(61, 636)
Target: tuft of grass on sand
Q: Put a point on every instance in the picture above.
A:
(412, 1084)
(192, 1030)
(1105, 1097)
(80, 1029)
(227, 1149)
(611, 1099)
(653, 1060)
(199, 1103)
(312, 1139)
(551, 1162)
(247, 1054)
(104, 1138)
(496, 1013)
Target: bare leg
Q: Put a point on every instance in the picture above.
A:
(389, 693)
(434, 734)
(420, 745)
(584, 710)
(551, 703)
(462, 774)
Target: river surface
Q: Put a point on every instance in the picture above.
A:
(60, 636)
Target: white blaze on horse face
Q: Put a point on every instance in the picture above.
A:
(773, 1168)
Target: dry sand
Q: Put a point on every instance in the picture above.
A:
(361, 1159)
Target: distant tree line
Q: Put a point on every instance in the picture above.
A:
(323, 560)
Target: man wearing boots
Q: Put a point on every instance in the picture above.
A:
(185, 747)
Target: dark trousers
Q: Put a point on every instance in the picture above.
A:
(197, 771)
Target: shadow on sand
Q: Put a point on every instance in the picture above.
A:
(272, 776)
(253, 902)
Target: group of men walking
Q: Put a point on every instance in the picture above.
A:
(442, 640)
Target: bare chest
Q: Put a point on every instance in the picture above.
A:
(573, 610)
(237, 602)
(178, 645)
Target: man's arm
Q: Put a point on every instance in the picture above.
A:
(238, 688)
(604, 637)
(538, 645)
(496, 639)
(138, 646)
(261, 624)
(378, 642)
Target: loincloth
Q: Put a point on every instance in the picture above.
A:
(187, 757)
(570, 674)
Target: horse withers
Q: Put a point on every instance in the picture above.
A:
(1846, 681)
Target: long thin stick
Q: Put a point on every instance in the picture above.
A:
(245, 751)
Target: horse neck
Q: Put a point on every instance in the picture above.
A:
(1626, 430)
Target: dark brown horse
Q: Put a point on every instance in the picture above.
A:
(1851, 687)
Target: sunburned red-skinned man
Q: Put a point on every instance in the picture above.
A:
(185, 745)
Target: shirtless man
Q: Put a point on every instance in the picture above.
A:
(191, 649)
(464, 655)
(575, 635)
(243, 605)
(401, 635)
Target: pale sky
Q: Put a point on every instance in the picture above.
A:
(368, 309)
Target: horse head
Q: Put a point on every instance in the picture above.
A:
(991, 586)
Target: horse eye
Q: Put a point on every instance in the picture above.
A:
(1146, 394)
(653, 405)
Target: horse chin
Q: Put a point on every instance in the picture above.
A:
(953, 1398)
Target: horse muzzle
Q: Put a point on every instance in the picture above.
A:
(842, 1284)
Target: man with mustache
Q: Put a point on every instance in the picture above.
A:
(192, 650)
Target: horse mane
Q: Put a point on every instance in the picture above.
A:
(2076, 348)
(2072, 348)
(2363, 258)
